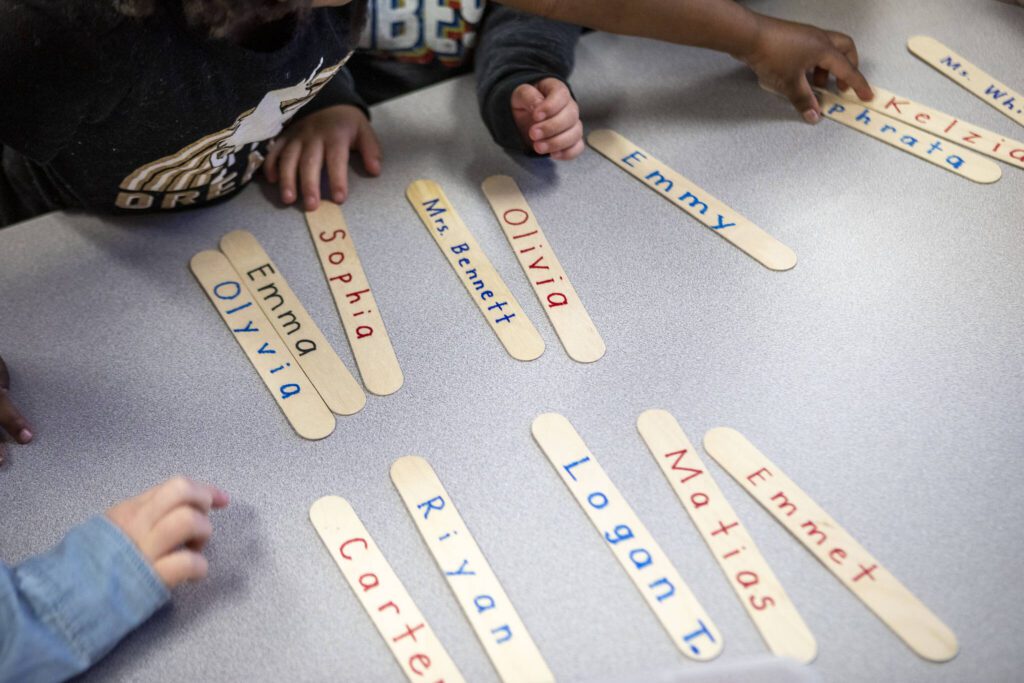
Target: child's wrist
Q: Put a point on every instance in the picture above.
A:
(748, 36)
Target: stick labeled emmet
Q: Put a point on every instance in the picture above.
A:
(884, 595)
(280, 372)
(549, 280)
(682, 192)
(647, 565)
(490, 612)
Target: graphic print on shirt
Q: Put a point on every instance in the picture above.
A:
(419, 31)
(222, 162)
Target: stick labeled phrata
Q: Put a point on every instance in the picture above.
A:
(357, 308)
(300, 402)
(922, 145)
(501, 310)
(294, 325)
(955, 130)
(884, 595)
(756, 585)
(490, 612)
(549, 280)
(647, 565)
(969, 77)
(400, 623)
(681, 191)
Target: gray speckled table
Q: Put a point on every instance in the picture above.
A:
(885, 373)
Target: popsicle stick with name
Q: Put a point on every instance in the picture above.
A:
(308, 345)
(490, 612)
(756, 585)
(996, 94)
(360, 315)
(667, 182)
(958, 131)
(647, 565)
(501, 310)
(549, 280)
(922, 145)
(299, 401)
(399, 621)
(848, 561)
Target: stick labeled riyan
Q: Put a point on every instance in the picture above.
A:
(647, 565)
(408, 635)
(308, 345)
(357, 308)
(550, 282)
(889, 599)
(756, 585)
(986, 88)
(751, 239)
(945, 126)
(490, 612)
(300, 402)
(922, 145)
(501, 310)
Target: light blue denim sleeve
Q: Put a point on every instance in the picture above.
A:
(61, 611)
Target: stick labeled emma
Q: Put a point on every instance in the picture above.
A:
(647, 565)
(360, 315)
(501, 310)
(299, 401)
(490, 612)
(679, 190)
(549, 280)
(399, 621)
(293, 323)
(756, 585)
(841, 554)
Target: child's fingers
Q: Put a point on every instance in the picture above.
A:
(369, 149)
(800, 94)
(287, 167)
(11, 419)
(176, 492)
(181, 566)
(560, 142)
(270, 163)
(844, 71)
(820, 77)
(183, 525)
(559, 123)
(571, 153)
(311, 166)
(556, 98)
(525, 97)
(337, 170)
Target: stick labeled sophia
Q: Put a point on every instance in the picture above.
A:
(682, 192)
(501, 310)
(399, 621)
(549, 280)
(647, 565)
(841, 554)
(756, 585)
(490, 612)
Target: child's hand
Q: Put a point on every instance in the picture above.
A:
(169, 524)
(11, 420)
(324, 136)
(548, 118)
(784, 52)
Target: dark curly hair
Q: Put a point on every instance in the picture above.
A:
(221, 18)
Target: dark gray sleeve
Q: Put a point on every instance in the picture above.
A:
(517, 48)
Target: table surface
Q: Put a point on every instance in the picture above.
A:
(885, 374)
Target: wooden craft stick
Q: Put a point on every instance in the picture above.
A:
(549, 280)
(490, 612)
(399, 621)
(922, 145)
(884, 595)
(756, 585)
(943, 125)
(300, 402)
(996, 94)
(501, 310)
(647, 565)
(357, 308)
(682, 192)
(294, 325)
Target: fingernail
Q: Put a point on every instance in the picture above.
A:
(310, 203)
(24, 436)
(288, 197)
(541, 148)
(339, 197)
(536, 134)
(811, 116)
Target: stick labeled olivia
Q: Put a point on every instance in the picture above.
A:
(647, 565)
(490, 612)
(756, 585)
(667, 182)
(550, 282)
(300, 402)
(884, 595)
(400, 623)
